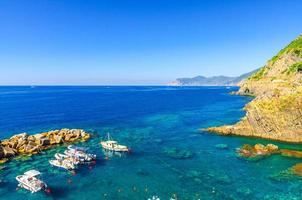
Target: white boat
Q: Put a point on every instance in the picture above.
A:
(73, 160)
(64, 164)
(80, 154)
(112, 145)
(30, 181)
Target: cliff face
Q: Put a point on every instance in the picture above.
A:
(276, 112)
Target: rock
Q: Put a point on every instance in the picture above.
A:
(3, 160)
(43, 141)
(8, 152)
(178, 153)
(31, 138)
(18, 136)
(31, 144)
(58, 139)
(297, 169)
(257, 151)
(221, 146)
(272, 147)
(291, 153)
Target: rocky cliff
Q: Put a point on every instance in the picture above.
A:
(276, 111)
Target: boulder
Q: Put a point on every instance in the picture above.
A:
(43, 141)
(272, 147)
(31, 138)
(18, 136)
(31, 149)
(8, 152)
(58, 139)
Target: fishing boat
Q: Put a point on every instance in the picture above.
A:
(73, 160)
(30, 181)
(113, 145)
(79, 153)
(63, 164)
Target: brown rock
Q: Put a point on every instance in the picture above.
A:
(291, 153)
(258, 150)
(43, 141)
(297, 169)
(8, 152)
(58, 139)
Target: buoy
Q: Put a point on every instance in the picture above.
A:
(48, 190)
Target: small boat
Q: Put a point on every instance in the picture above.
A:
(73, 160)
(30, 181)
(75, 148)
(64, 164)
(112, 145)
(80, 154)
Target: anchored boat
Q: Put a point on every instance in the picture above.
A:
(30, 181)
(113, 145)
(73, 160)
(80, 154)
(64, 164)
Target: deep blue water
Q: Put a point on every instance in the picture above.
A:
(171, 157)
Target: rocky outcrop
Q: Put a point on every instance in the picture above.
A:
(23, 143)
(257, 151)
(276, 111)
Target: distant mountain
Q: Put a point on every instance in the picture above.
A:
(210, 81)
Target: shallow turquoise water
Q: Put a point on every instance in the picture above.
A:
(170, 156)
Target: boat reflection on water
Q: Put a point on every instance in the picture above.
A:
(110, 154)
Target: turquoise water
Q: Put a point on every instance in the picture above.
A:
(170, 156)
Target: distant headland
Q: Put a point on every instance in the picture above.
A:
(211, 81)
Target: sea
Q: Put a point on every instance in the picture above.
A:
(171, 157)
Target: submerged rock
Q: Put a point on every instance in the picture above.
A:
(24, 144)
(221, 146)
(297, 169)
(257, 151)
(291, 153)
(178, 153)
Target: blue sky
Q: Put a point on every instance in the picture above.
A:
(116, 42)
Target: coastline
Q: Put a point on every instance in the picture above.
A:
(276, 111)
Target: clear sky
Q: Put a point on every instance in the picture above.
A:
(101, 42)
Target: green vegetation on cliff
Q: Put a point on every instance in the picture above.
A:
(294, 47)
(297, 67)
(259, 74)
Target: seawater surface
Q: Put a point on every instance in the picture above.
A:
(171, 157)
